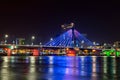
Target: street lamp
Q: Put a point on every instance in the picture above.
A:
(6, 36)
(13, 42)
(94, 43)
(32, 38)
(82, 43)
(40, 44)
(51, 39)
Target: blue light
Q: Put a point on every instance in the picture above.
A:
(66, 40)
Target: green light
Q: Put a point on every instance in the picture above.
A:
(11, 47)
(117, 53)
(108, 53)
(111, 52)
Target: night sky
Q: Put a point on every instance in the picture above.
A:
(43, 19)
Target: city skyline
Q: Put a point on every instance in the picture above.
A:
(99, 20)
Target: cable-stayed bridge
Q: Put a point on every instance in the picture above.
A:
(71, 38)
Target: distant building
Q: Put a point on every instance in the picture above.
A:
(117, 44)
(107, 46)
(20, 41)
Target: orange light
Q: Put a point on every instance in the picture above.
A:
(67, 49)
(71, 53)
(6, 49)
(93, 50)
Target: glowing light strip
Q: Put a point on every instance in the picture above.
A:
(65, 40)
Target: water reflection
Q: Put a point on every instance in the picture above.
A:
(118, 68)
(32, 69)
(59, 68)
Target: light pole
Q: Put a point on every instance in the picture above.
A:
(82, 43)
(6, 36)
(51, 39)
(40, 43)
(32, 38)
(13, 42)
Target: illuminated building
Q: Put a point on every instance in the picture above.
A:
(20, 41)
(117, 44)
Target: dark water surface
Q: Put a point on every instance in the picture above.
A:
(59, 68)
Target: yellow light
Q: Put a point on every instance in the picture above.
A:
(77, 49)
(86, 50)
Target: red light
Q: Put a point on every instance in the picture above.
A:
(71, 53)
(8, 52)
(35, 52)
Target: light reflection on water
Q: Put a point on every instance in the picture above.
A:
(59, 68)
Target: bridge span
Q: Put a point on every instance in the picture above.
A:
(41, 50)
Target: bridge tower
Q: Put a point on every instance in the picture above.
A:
(73, 37)
(71, 26)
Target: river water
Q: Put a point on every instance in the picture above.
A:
(59, 68)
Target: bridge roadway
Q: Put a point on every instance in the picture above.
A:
(42, 46)
(36, 49)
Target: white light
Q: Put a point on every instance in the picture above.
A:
(97, 44)
(82, 41)
(114, 45)
(51, 39)
(105, 44)
(51, 70)
(94, 70)
(32, 59)
(51, 59)
(82, 58)
(105, 64)
(13, 52)
(5, 59)
(12, 47)
(6, 36)
(40, 43)
(94, 43)
(33, 37)
(15, 46)
(93, 64)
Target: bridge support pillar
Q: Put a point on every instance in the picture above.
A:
(8, 52)
(35, 52)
